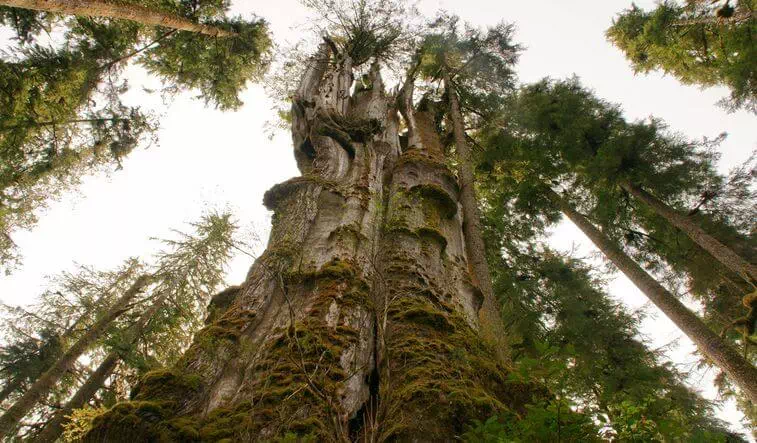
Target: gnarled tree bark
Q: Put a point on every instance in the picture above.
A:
(360, 320)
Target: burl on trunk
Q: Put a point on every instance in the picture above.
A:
(359, 322)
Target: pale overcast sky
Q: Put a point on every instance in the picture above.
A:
(207, 158)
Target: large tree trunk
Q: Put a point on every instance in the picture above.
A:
(492, 327)
(719, 251)
(119, 10)
(711, 345)
(360, 320)
(54, 427)
(44, 383)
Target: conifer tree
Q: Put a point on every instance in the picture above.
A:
(181, 276)
(706, 43)
(742, 372)
(559, 133)
(470, 64)
(61, 112)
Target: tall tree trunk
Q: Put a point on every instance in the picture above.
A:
(719, 251)
(119, 10)
(31, 377)
(492, 327)
(9, 388)
(54, 427)
(359, 321)
(42, 386)
(711, 345)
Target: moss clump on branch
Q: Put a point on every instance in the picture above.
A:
(134, 421)
(221, 302)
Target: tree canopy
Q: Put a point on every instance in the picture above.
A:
(62, 113)
(705, 43)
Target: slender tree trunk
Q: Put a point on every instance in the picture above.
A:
(16, 384)
(9, 388)
(54, 427)
(719, 251)
(492, 326)
(360, 320)
(68, 122)
(118, 10)
(711, 345)
(42, 386)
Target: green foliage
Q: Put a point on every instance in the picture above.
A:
(565, 329)
(481, 62)
(60, 121)
(218, 67)
(545, 421)
(365, 30)
(26, 23)
(79, 423)
(695, 43)
(152, 334)
(61, 111)
(559, 134)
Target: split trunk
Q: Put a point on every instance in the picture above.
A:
(360, 320)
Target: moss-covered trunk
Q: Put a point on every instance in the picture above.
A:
(359, 322)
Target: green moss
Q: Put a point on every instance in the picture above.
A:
(441, 199)
(166, 385)
(130, 422)
(221, 302)
(433, 234)
(442, 373)
(281, 191)
(421, 314)
(422, 159)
